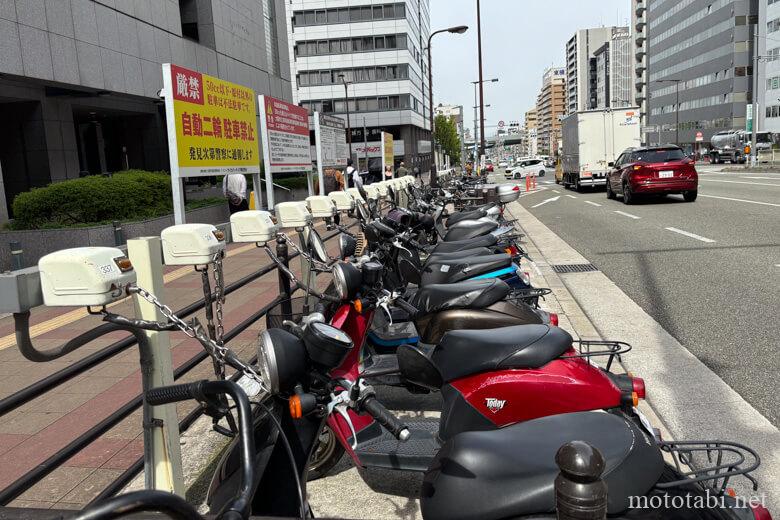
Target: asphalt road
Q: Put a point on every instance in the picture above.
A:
(712, 281)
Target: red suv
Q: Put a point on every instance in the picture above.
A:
(652, 170)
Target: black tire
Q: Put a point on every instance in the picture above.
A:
(541, 173)
(327, 454)
(628, 196)
(578, 186)
(610, 193)
(690, 195)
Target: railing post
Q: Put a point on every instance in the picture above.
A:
(284, 283)
(16, 256)
(119, 237)
(162, 452)
(580, 494)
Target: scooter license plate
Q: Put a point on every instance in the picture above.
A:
(645, 422)
(666, 174)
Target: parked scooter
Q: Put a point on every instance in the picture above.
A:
(488, 474)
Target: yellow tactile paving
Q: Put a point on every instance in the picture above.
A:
(77, 314)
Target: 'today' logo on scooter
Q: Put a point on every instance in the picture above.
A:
(494, 405)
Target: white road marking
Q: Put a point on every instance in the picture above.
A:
(555, 191)
(546, 201)
(536, 268)
(629, 215)
(592, 203)
(687, 234)
(740, 182)
(740, 200)
(764, 178)
(571, 196)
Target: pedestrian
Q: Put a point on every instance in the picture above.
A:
(388, 172)
(352, 174)
(402, 170)
(234, 190)
(416, 172)
(332, 179)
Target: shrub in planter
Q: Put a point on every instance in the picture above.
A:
(129, 195)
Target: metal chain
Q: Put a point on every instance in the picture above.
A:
(212, 347)
(219, 289)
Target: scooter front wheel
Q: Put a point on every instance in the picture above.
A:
(327, 454)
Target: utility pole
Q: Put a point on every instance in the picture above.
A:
(481, 92)
(346, 103)
(754, 125)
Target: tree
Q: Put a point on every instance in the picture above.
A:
(446, 135)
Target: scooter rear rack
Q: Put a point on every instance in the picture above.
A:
(612, 349)
(530, 296)
(711, 463)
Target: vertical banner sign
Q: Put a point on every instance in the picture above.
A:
(212, 129)
(285, 130)
(749, 119)
(388, 156)
(330, 142)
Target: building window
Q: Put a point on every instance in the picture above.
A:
(271, 37)
(349, 14)
(352, 45)
(188, 11)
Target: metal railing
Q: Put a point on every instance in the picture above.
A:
(50, 382)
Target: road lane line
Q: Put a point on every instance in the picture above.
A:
(762, 178)
(629, 215)
(555, 191)
(592, 203)
(741, 182)
(691, 235)
(571, 196)
(740, 200)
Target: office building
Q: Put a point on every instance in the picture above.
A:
(529, 131)
(377, 49)
(550, 109)
(639, 39)
(580, 69)
(613, 71)
(769, 69)
(452, 111)
(701, 50)
(79, 80)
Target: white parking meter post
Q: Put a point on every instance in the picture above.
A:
(162, 453)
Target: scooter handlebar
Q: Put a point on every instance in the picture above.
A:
(408, 307)
(174, 393)
(386, 418)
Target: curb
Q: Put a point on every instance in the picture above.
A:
(688, 399)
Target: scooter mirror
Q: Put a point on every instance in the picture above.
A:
(85, 276)
(317, 246)
(252, 226)
(191, 244)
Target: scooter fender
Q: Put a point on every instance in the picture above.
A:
(343, 433)
(510, 396)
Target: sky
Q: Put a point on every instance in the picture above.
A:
(520, 39)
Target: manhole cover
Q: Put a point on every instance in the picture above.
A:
(574, 268)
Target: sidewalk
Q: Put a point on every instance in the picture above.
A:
(40, 428)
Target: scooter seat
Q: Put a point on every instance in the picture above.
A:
(460, 269)
(475, 294)
(466, 215)
(461, 353)
(477, 251)
(510, 472)
(469, 229)
(460, 245)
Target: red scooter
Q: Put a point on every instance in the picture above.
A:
(488, 379)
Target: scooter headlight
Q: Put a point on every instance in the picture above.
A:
(347, 246)
(281, 360)
(346, 279)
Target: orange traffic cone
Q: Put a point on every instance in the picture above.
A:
(527, 183)
(533, 181)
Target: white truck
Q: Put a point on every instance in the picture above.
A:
(594, 138)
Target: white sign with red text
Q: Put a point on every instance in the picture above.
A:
(285, 137)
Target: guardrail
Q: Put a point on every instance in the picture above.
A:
(25, 285)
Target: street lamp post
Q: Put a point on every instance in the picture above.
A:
(479, 150)
(676, 82)
(459, 29)
(481, 81)
(346, 104)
